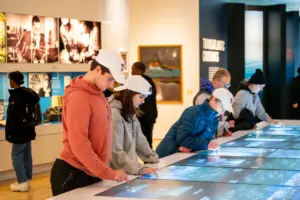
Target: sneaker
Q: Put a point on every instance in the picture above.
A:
(19, 187)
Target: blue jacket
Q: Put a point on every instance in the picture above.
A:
(194, 130)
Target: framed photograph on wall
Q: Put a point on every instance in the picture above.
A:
(2, 38)
(31, 39)
(40, 83)
(164, 66)
(79, 40)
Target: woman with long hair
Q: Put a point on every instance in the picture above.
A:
(129, 143)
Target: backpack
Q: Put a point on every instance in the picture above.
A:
(33, 114)
(33, 111)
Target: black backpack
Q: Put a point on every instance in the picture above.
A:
(33, 111)
(33, 114)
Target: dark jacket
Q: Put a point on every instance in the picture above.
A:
(194, 130)
(149, 108)
(16, 131)
(294, 97)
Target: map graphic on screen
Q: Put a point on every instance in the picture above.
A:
(228, 175)
(266, 145)
(268, 138)
(234, 162)
(275, 132)
(166, 189)
(240, 152)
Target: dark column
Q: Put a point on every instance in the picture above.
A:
(236, 44)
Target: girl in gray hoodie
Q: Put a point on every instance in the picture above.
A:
(247, 107)
(129, 143)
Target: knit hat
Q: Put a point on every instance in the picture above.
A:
(206, 85)
(258, 78)
(17, 77)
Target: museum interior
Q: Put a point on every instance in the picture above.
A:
(220, 118)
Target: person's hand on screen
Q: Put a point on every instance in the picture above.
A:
(121, 176)
(149, 170)
(213, 145)
(184, 150)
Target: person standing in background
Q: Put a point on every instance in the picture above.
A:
(294, 95)
(149, 108)
(18, 132)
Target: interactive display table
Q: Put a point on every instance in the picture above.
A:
(263, 164)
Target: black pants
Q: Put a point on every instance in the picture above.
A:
(147, 129)
(295, 113)
(65, 177)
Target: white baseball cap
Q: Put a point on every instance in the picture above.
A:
(113, 62)
(136, 83)
(225, 97)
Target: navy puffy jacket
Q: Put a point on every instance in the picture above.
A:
(194, 130)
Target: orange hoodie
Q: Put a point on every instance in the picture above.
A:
(86, 122)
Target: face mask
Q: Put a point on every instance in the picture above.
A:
(227, 85)
(255, 89)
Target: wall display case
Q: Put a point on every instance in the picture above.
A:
(50, 87)
(44, 43)
(39, 39)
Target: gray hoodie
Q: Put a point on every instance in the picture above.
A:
(245, 99)
(129, 143)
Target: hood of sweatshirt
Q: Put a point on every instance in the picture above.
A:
(80, 84)
(243, 86)
(115, 104)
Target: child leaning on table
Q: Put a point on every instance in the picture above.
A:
(197, 126)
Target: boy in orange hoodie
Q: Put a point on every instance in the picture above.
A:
(86, 120)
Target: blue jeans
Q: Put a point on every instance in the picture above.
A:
(22, 161)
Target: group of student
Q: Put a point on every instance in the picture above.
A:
(103, 140)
